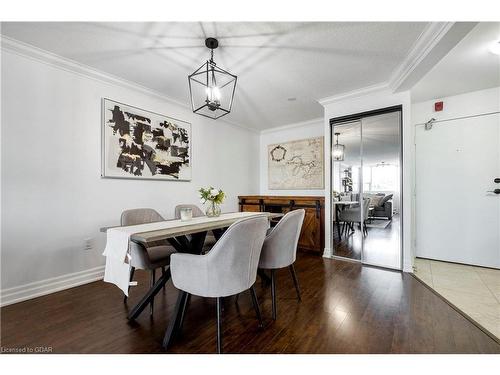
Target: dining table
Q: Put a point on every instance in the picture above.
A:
(186, 237)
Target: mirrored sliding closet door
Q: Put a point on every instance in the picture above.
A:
(366, 189)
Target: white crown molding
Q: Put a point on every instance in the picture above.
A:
(52, 59)
(380, 87)
(427, 40)
(54, 284)
(294, 125)
(46, 57)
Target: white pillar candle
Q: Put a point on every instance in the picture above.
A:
(186, 214)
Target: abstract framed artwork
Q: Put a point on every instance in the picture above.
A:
(140, 144)
(296, 165)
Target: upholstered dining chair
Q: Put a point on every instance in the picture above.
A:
(228, 269)
(280, 250)
(352, 216)
(210, 239)
(150, 258)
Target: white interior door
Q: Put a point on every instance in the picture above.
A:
(456, 164)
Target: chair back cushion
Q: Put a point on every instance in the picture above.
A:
(140, 216)
(280, 246)
(229, 268)
(140, 256)
(197, 212)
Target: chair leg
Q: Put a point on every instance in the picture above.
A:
(152, 282)
(256, 305)
(219, 325)
(237, 298)
(132, 271)
(273, 292)
(295, 281)
(163, 274)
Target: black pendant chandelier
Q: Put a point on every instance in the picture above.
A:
(338, 150)
(211, 88)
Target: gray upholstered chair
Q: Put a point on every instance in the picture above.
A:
(151, 258)
(210, 239)
(353, 215)
(228, 269)
(280, 249)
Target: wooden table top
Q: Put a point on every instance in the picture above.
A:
(178, 227)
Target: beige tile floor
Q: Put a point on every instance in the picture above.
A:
(474, 290)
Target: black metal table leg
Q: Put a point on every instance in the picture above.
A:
(218, 233)
(174, 323)
(149, 296)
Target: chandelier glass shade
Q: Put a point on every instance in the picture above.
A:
(338, 150)
(211, 88)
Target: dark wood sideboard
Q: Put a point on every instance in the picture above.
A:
(312, 237)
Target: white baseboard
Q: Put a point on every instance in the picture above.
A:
(327, 252)
(407, 267)
(54, 284)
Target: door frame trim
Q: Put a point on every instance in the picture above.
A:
(358, 117)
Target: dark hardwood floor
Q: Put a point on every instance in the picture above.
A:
(381, 247)
(345, 308)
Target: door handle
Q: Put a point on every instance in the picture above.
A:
(496, 191)
(497, 180)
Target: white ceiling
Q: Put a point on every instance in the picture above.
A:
(274, 61)
(469, 66)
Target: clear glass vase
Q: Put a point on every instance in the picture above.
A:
(213, 210)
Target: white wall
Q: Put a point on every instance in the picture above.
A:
(372, 100)
(53, 197)
(468, 104)
(292, 132)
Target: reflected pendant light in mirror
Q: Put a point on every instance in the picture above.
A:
(211, 88)
(338, 150)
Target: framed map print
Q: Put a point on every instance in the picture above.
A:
(144, 145)
(296, 165)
